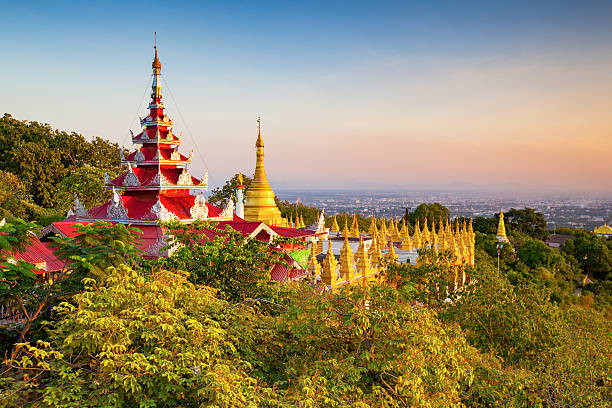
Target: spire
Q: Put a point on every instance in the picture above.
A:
(501, 228)
(363, 261)
(156, 64)
(391, 255)
(355, 227)
(329, 275)
(347, 260)
(335, 227)
(259, 142)
(260, 204)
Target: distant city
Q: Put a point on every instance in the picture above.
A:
(586, 211)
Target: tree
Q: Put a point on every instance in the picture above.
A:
(88, 255)
(135, 340)
(432, 212)
(239, 268)
(527, 221)
(517, 323)
(41, 156)
(220, 195)
(86, 183)
(486, 225)
(575, 372)
(15, 201)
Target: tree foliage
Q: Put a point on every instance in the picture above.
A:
(433, 212)
(236, 266)
(220, 195)
(42, 157)
(527, 221)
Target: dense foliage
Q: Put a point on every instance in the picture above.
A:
(184, 331)
(205, 326)
(44, 161)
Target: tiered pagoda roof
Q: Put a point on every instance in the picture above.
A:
(158, 185)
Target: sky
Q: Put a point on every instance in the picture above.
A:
(506, 95)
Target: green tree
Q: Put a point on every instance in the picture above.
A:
(88, 255)
(575, 372)
(41, 156)
(517, 323)
(219, 196)
(15, 201)
(527, 221)
(239, 268)
(137, 340)
(87, 183)
(433, 212)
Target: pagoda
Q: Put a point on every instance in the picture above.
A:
(158, 185)
(260, 204)
(501, 229)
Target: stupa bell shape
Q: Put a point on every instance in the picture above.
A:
(335, 227)
(329, 275)
(259, 200)
(501, 228)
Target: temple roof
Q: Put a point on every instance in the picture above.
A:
(148, 177)
(603, 229)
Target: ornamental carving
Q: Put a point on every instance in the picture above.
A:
(130, 179)
(185, 178)
(107, 179)
(116, 210)
(175, 155)
(321, 223)
(139, 156)
(204, 181)
(159, 212)
(144, 135)
(79, 209)
(199, 209)
(228, 210)
(159, 180)
(158, 249)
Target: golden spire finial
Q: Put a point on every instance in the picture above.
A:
(240, 179)
(260, 142)
(156, 63)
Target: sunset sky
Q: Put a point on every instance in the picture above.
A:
(384, 95)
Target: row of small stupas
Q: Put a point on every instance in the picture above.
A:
(158, 186)
(381, 246)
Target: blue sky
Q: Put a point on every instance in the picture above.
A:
(352, 94)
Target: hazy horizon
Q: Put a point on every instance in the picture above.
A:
(352, 95)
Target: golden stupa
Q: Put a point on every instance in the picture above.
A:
(501, 228)
(259, 204)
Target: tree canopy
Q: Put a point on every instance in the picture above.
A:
(42, 157)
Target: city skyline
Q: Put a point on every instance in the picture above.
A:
(393, 97)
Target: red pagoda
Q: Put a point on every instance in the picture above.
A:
(159, 187)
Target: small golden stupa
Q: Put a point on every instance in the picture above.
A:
(259, 204)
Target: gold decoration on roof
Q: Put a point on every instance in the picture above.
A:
(364, 266)
(329, 275)
(391, 256)
(406, 241)
(347, 260)
(604, 229)
(355, 227)
(335, 227)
